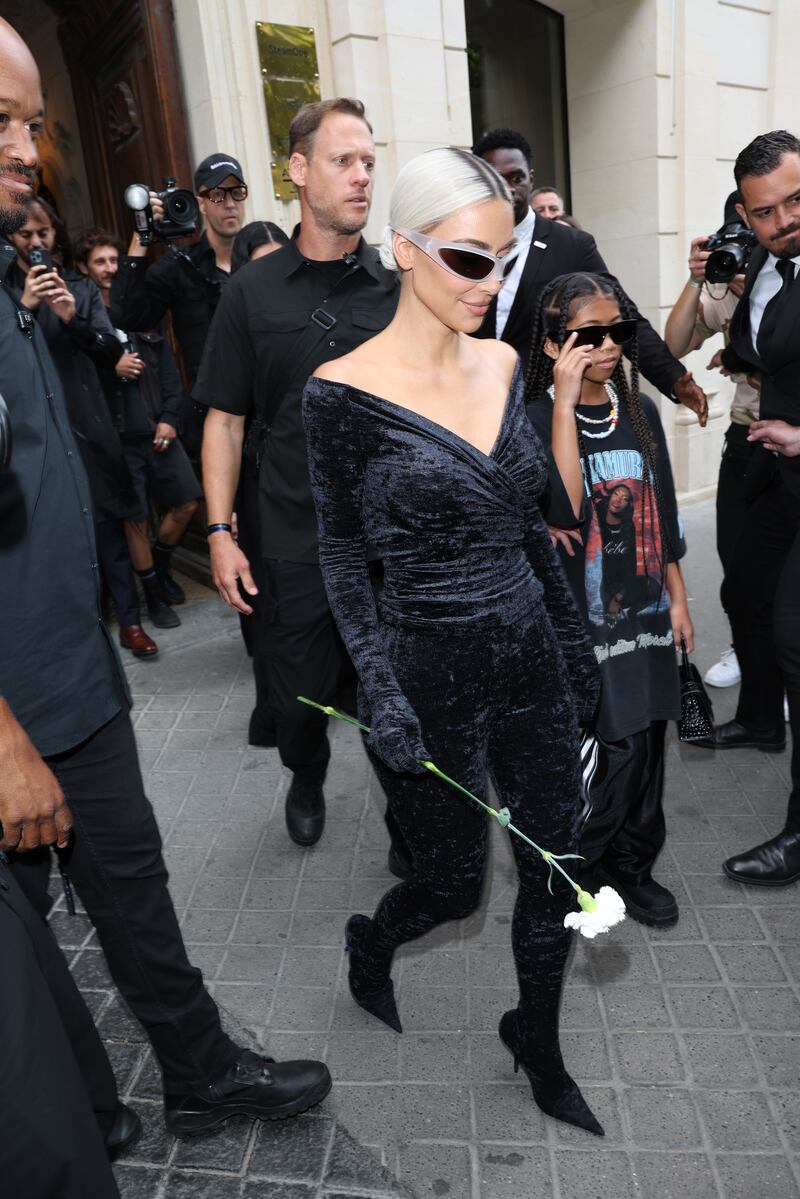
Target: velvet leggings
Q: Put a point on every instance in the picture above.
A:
(492, 700)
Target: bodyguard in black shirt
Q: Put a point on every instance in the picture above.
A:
(279, 318)
(60, 676)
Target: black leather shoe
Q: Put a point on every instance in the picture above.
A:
(254, 1086)
(647, 903)
(305, 812)
(733, 735)
(161, 615)
(124, 1132)
(776, 863)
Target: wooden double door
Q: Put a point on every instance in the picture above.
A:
(125, 80)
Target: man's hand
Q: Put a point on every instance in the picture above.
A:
(228, 566)
(565, 538)
(716, 364)
(682, 626)
(136, 249)
(697, 259)
(61, 301)
(33, 810)
(691, 396)
(164, 436)
(776, 435)
(129, 366)
(39, 282)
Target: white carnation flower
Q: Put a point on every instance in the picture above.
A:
(599, 912)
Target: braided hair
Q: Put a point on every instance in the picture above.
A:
(560, 301)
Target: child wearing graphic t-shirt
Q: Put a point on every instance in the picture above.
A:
(614, 515)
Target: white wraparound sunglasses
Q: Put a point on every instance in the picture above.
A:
(461, 260)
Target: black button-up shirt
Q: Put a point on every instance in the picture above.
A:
(58, 669)
(262, 317)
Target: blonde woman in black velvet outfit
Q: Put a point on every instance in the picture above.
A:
(475, 656)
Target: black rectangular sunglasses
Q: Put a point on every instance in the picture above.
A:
(595, 335)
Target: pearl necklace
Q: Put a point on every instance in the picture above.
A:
(612, 420)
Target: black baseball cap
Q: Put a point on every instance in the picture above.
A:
(214, 169)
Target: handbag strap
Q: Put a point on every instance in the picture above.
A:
(684, 653)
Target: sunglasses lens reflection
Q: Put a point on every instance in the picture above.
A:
(466, 264)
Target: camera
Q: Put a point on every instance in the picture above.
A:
(181, 212)
(730, 249)
(38, 256)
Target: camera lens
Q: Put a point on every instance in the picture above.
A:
(180, 206)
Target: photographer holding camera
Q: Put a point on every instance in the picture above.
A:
(703, 309)
(187, 282)
(761, 590)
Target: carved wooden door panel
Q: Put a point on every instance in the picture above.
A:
(124, 72)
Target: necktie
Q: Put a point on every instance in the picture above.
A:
(772, 312)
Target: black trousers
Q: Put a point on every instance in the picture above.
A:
(762, 597)
(117, 570)
(737, 455)
(490, 701)
(625, 828)
(300, 647)
(249, 536)
(116, 864)
(57, 1091)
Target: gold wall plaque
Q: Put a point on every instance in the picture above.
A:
(290, 78)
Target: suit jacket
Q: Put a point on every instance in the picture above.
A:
(567, 250)
(780, 376)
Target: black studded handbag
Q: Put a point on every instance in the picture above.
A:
(697, 712)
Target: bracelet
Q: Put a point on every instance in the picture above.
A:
(693, 283)
(220, 527)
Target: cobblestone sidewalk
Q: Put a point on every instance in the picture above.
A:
(686, 1042)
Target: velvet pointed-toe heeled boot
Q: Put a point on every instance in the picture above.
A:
(553, 1090)
(371, 990)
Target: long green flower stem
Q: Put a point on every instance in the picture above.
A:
(503, 816)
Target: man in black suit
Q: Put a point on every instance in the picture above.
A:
(550, 249)
(761, 590)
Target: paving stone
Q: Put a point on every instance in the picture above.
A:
(779, 1057)
(649, 1056)
(757, 1176)
(720, 1059)
(769, 1009)
(686, 963)
(729, 923)
(514, 1172)
(751, 964)
(437, 1171)
(348, 1166)
(225, 1150)
(738, 1120)
(662, 1118)
(138, 1182)
(363, 1056)
(594, 1175)
(184, 1185)
(280, 1190)
(636, 1007)
(675, 1176)
(293, 1150)
(429, 1056)
(703, 1007)
(508, 1113)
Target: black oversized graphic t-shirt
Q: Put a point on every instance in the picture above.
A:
(617, 574)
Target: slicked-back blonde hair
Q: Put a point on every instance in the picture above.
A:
(433, 186)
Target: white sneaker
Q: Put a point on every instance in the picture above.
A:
(726, 672)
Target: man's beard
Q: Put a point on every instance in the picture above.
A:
(328, 217)
(13, 210)
(14, 205)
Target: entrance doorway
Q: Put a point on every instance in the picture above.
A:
(517, 76)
